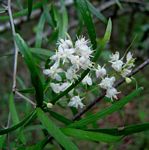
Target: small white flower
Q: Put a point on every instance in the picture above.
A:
(107, 83)
(55, 87)
(85, 63)
(100, 71)
(117, 65)
(71, 73)
(76, 102)
(114, 57)
(81, 42)
(53, 72)
(82, 48)
(125, 72)
(65, 44)
(87, 80)
(128, 56)
(112, 93)
(64, 86)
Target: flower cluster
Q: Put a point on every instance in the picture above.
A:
(72, 58)
(124, 68)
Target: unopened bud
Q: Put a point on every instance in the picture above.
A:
(49, 105)
(128, 80)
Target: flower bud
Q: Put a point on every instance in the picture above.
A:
(128, 80)
(49, 105)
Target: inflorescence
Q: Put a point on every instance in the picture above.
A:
(71, 59)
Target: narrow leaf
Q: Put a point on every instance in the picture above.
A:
(39, 31)
(86, 15)
(55, 132)
(30, 4)
(35, 75)
(91, 136)
(20, 124)
(60, 117)
(124, 131)
(97, 13)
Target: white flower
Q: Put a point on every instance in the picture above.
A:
(55, 87)
(82, 48)
(64, 86)
(125, 72)
(112, 93)
(63, 54)
(85, 63)
(53, 72)
(117, 65)
(81, 42)
(107, 83)
(65, 44)
(128, 56)
(87, 80)
(76, 102)
(100, 71)
(114, 57)
(71, 73)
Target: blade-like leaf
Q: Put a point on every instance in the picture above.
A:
(39, 31)
(97, 13)
(30, 4)
(55, 132)
(86, 15)
(2, 140)
(104, 41)
(20, 124)
(92, 136)
(126, 130)
(60, 117)
(101, 114)
(15, 118)
(35, 76)
(47, 14)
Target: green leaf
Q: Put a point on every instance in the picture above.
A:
(60, 117)
(13, 111)
(55, 132)
(96, 12)
(91, 136)
(101, 114)
(35, 75)
(47, 14)
(28, 90)
(2, 140)
(40, 51)
(20, 124)
(30, 4)
(39, 31)
(124, 131)
(24, 12)
(61, 18)
(86, 15)
(104, 41)
(108, 32)
(15, 118)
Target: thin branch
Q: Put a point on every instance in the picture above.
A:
(118, 83)
(25, 98)
(15, 45)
